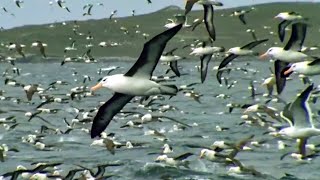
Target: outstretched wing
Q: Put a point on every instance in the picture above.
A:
(151, 53)
(107, 111)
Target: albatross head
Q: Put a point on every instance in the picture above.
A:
(102, 83)
(271, 52)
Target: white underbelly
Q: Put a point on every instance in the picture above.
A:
(134, 86)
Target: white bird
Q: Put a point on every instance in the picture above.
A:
(308, 68)
(284, 55)
(299, 116)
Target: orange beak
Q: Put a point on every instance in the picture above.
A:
(262, 56)
(96, 87)
(288, 71)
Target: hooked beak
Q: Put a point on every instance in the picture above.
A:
(262, 56)
(96, 87)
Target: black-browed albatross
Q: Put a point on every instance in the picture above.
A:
(135, 82)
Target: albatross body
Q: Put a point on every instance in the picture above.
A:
(135, 82)
(299, 116)
(284, 55)
(308, 68)
(134, 86)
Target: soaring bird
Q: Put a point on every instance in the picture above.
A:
(235, 52)
(287, 18)
(135, 82)
(41, 47)
(290, 53)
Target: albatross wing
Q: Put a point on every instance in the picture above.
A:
(151, 53)
(107, 111)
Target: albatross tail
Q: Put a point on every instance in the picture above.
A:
(168, 89)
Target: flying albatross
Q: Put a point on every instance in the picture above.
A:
(299, 116)
(290, 53)
(136, 82)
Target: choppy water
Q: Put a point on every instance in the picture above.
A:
(139, 163)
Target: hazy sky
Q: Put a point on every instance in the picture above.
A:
(40, 12)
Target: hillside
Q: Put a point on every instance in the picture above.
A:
(230, 31)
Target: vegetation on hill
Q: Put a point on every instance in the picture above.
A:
(230, 31)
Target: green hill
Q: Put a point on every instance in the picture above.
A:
(230, 31)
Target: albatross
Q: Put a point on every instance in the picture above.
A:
(299, 116)
(136, 82)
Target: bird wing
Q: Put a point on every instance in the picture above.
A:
(189, 5)
(223, 64)
(174, 67)
(241, 17)
(107, 111)
(297, 37)
(208, 21)
(205, 59)
(253, 44)
(300, 109)
(279, 66)
(183, 156)
(282, 29)
(151, 53)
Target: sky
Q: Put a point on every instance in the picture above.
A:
(41, 12)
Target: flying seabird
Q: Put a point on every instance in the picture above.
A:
(299, 116)
(113, 13)
(172, 60)
(41, 46)
(308, 68)
(190, 3)
(287, 18)
(136, 80)
(17, 47)
(290, 53)
(18, 3)
(240, 14)
(235, 52)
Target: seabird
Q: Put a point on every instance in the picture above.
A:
(113, 13)
(41, 46)
(18, 3)
(308, 68)
(17, 47)
(235, 52)
(287, 18)
(174, 161)
(190, 3)
(89, 8)
(299, 116)
(287, 54)
(240, 14)
(172, 60)
(179, 19)
(134, 82)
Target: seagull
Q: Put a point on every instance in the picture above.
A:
(299, 116)
(134, 82)
(89, 8)
(287, 18)
(286, 55)
(235, 52)
(178, 20)
(41, 46)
